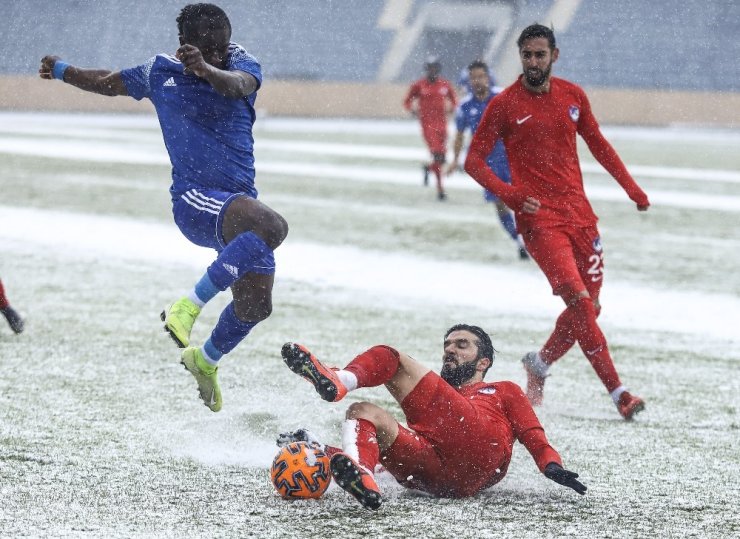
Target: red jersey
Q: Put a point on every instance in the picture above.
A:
(431, 97)
(504, 407)
(461, 440)
(539, 133)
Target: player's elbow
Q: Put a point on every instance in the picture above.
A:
(470, 164)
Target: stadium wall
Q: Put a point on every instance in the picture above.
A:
(383, 100)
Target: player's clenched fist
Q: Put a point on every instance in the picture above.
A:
(192, 60)
(46, 71)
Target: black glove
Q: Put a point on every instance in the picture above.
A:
(564, 477)
(300, 435)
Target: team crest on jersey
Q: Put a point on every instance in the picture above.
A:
(574, 112)
(597, 244)
(487, 390)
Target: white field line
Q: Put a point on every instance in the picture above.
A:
(96, 128)
(351, 126)
(461, 217)
(393, 276)
(149, 155)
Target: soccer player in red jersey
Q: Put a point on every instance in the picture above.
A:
(11, 315)
(432, 99)
(461, 430)
(538, 118)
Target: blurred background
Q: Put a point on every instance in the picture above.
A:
(662, 62)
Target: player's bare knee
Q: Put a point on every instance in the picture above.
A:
(364, 410)
(250, 311)
(271, 227)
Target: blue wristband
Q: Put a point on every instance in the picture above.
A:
(59, 69)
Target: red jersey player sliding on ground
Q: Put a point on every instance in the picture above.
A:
(461, 430)
(431, 99)
(538, 118)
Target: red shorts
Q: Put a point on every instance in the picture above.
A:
(435, 135)
(571, 258)
(450, 452)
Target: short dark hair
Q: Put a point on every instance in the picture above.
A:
(534, 31)
(192, 13)
(478, 64)
(484, 344)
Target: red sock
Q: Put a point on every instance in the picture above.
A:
(593, 343)
(437, 169)
(375, 366)
(360, 441)
(561, 340)
(3, 300)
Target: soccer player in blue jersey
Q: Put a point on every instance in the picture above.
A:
(204, 98)
(467, 117)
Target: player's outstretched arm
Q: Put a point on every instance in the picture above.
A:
(564, 477)
(97, 81)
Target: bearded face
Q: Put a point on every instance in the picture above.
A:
(536, 76)
(537, 58)
(457, 375)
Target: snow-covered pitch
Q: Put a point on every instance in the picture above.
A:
(101, 431)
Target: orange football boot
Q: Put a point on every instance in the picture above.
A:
(302, 362)
(355, 480)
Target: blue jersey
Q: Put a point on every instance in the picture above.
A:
(468, 116)
(208, 136)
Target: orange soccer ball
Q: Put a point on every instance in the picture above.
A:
(300, 471)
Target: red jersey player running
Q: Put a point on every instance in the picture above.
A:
(538, 118)
(461, 430)
(431, 99)
(11, 315)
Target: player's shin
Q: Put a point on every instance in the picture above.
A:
(561, 340)
(360, 441)
(352, 469)
(593, 343)
(375, 366)
(228, 332)
(240, 256)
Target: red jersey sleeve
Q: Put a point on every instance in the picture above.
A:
(527, 427)
(412, 94)
(605, 154)
(488, 132)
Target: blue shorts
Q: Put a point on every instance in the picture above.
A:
(503, 172)
(199, 214)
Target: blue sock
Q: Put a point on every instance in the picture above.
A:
(229, 332)
(237, 258)
(507, 221)
(205, 290)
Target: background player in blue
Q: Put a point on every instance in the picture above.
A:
(467, 117)
(204, 97)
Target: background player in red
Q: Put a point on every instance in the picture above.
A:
(11, 315)
(461, 430)
(538, 118)
(431, 99)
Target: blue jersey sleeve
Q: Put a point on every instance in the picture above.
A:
(136, 79)
(241, 60)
